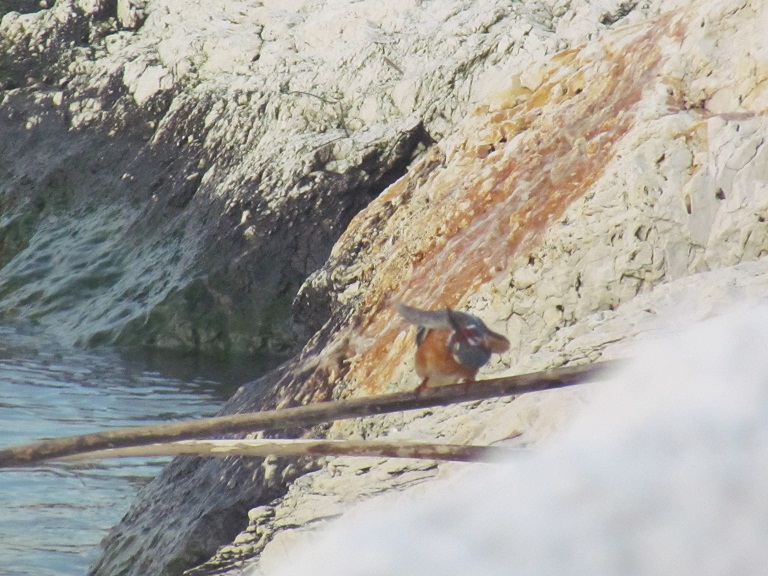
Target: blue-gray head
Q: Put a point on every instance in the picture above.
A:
(471, 343)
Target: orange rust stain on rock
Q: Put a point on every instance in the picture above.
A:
(568, 142)
(565, 57)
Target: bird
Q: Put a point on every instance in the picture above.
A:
(451, 346)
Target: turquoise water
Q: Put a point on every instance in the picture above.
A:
(52, 517)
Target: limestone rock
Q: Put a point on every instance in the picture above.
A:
(265, 129)
(666, 444)
(567, 216)
(131, 13)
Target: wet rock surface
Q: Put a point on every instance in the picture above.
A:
(244, 180)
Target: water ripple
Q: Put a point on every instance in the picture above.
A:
(52, 517)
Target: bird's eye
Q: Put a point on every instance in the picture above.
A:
(470, 336)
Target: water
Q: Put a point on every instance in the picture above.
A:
(52, 517)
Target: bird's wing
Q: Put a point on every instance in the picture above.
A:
(427, 318)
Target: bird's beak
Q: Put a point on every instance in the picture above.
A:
(496, 342)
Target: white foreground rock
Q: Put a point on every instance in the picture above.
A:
(662, 472)
(684, 364)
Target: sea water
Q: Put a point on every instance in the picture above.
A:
(53, 516)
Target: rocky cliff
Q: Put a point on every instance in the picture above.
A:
(559, 169)
(609, 193)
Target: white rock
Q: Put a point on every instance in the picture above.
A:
(663, 473)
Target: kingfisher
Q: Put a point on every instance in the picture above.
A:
(451, 346)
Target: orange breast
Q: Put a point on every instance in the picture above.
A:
(434, 361)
